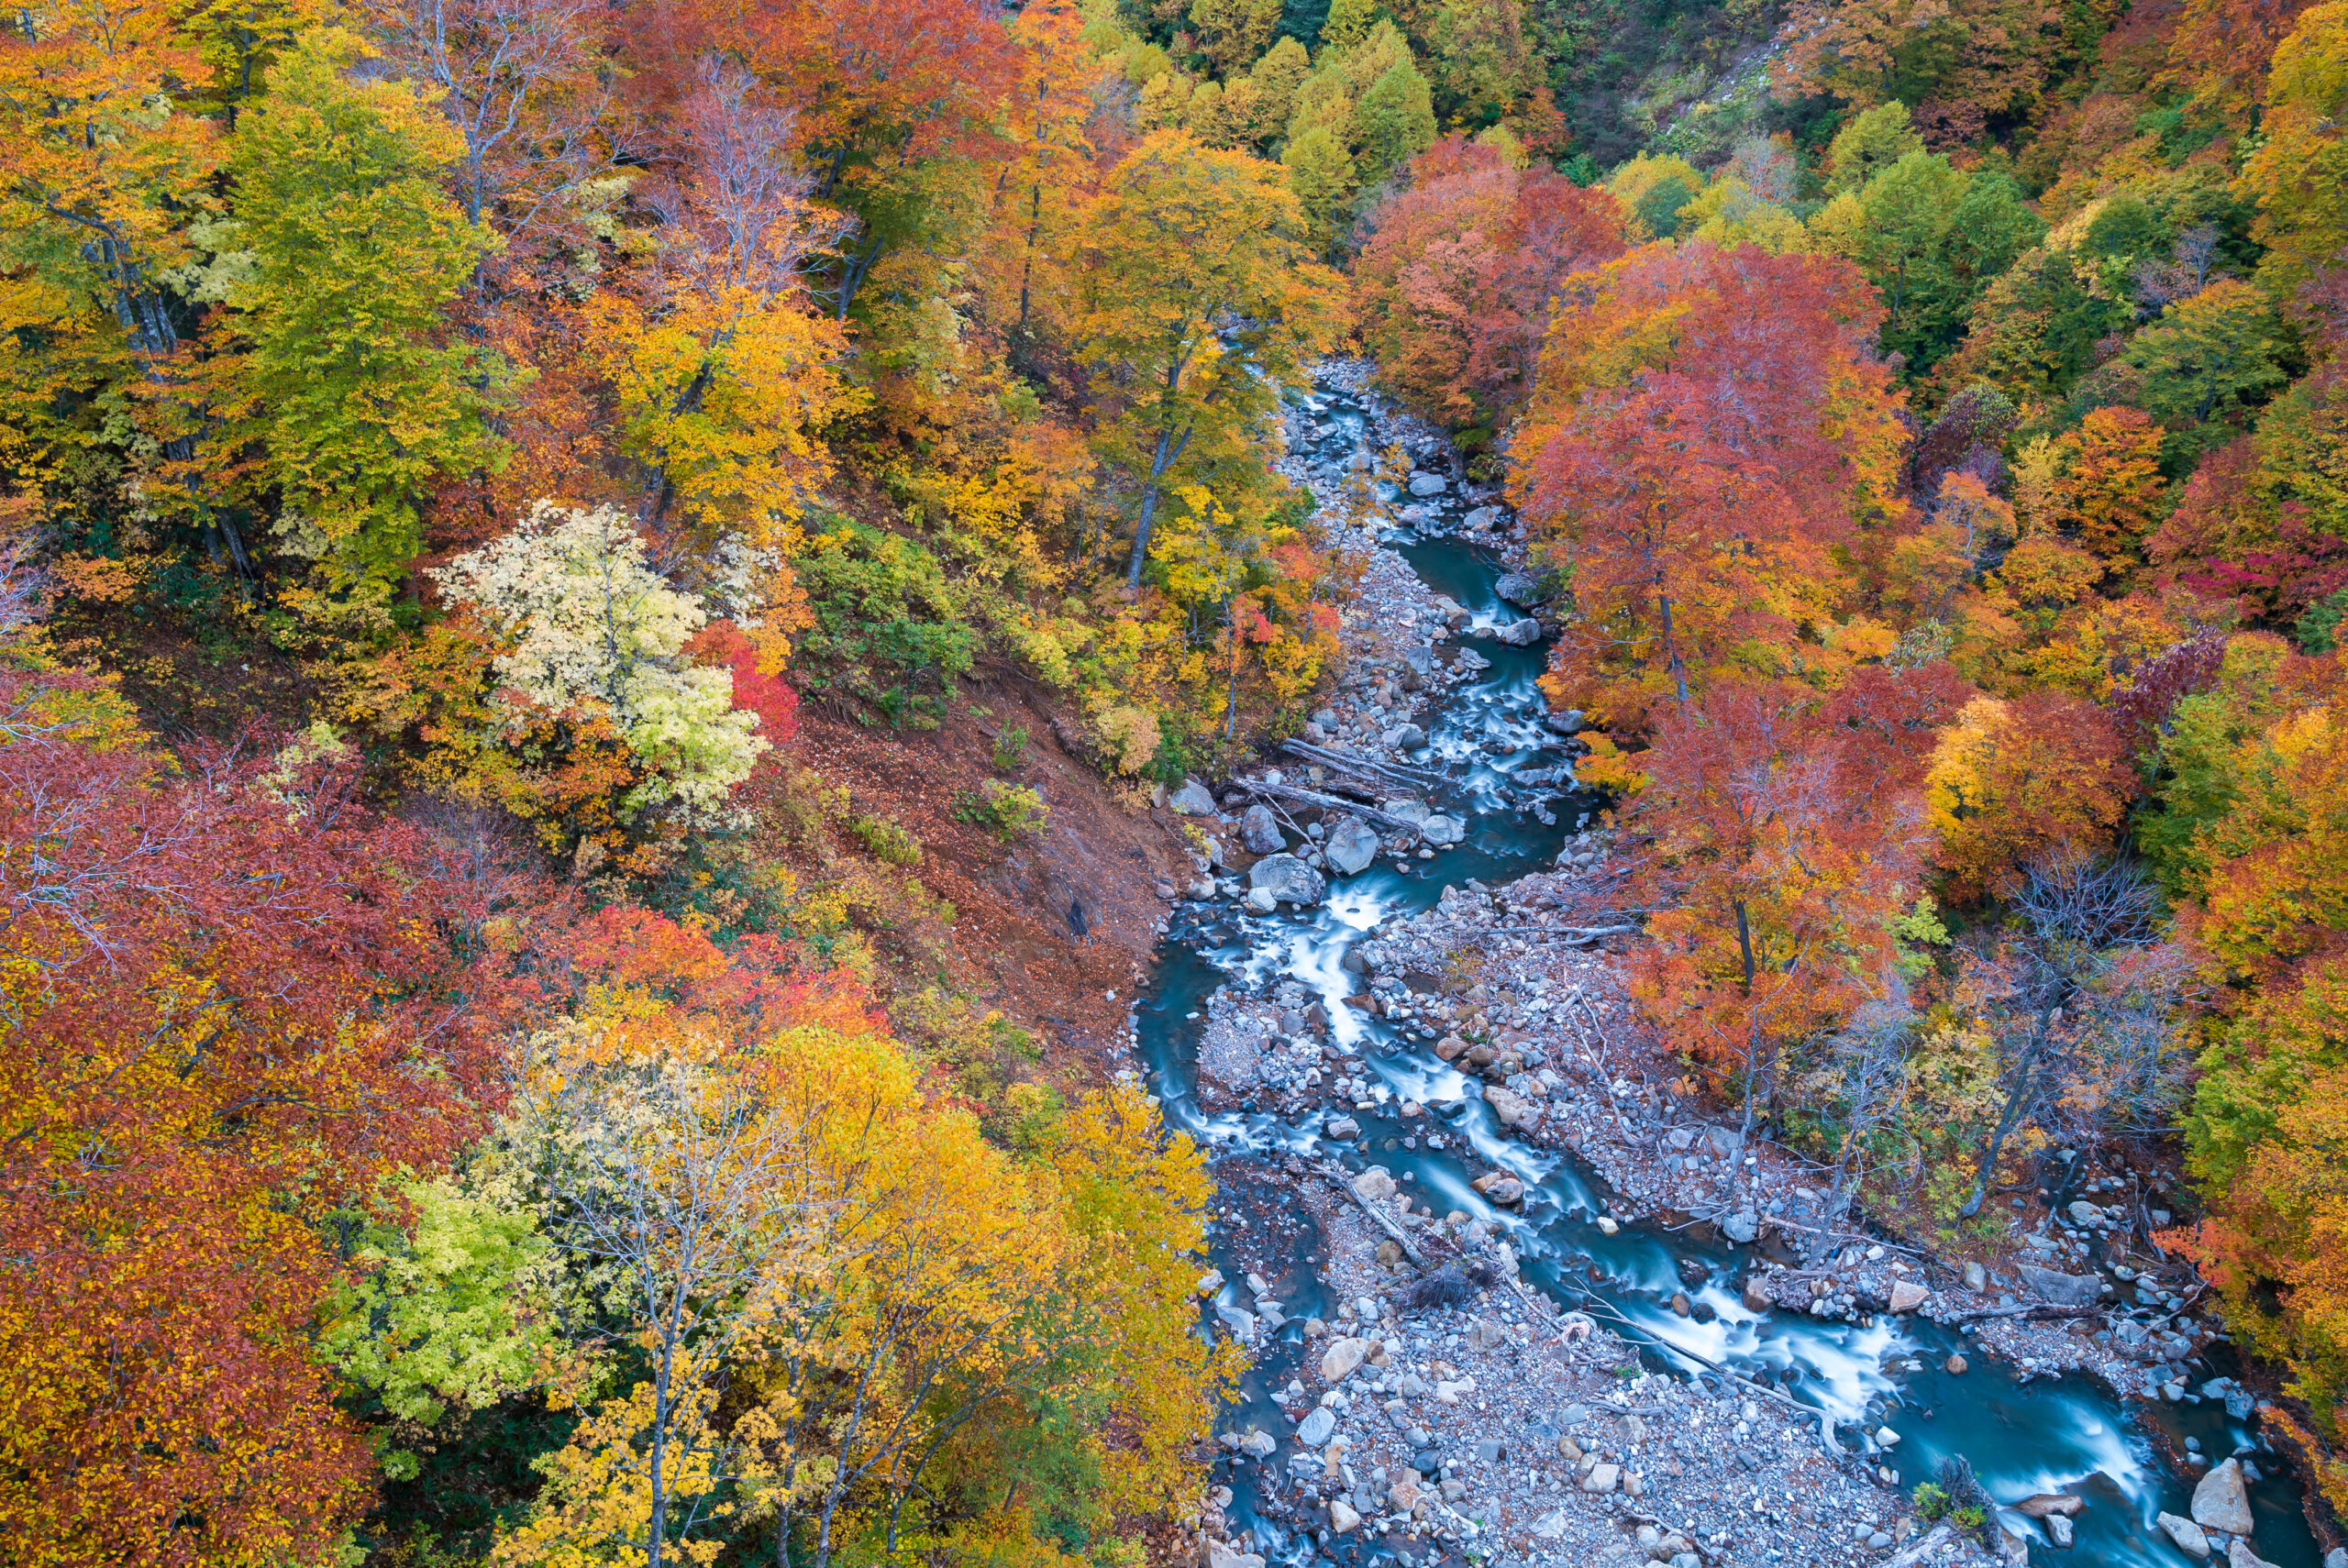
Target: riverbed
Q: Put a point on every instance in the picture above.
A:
(2060, 1435)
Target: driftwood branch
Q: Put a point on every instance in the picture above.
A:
(1384, 1221)
(1327, 803)
(1347, 762)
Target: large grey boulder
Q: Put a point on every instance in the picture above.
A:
(1352, 846)
(1406, 738)
(1440, 830)
(1742, 1226)
(1519, 588)
(1261, 831)
(1423, 484)
(1520, 634)
(1192, 799)
(1318, 1427)
(2063, 1289)
(1287, 878)
(2221, 1501)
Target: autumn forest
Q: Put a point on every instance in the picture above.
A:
(481, 1088)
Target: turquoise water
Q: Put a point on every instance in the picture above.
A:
(2048, 1435)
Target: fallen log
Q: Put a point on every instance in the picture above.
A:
(1328, 803)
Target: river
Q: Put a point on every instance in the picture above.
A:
(2065, 1434)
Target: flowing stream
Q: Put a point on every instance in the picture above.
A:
(2069, 1433)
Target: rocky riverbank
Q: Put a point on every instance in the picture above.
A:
(1437, 1404)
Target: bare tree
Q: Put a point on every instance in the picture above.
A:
(2079, 918)
(1868, 1061)
(523, 82)
(681, 1178)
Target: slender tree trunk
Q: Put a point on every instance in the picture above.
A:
(1671, 643)
(2019, 1099)
(1170, 450)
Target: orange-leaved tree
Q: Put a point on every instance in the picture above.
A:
(233, 1006)
(1710, 426)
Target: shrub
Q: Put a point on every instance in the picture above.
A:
(1010, 811)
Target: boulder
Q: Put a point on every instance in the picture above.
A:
(2240, 1556)
(1757, 1293)
(1602, 1479)
(1520, 634)
(2063, 1289)
(1352, 846)
(1513, 1109)
(1419, 659)
(1440, 830)
(1343, 1127)
(2059, 1530)
(2047, 1505)
(1481, 517)
(1405, 737)
(1957, 1366)
(2187, 1535)
(1342, 1357)
(1261, 831)
(1976, 1277)
(1374, 1185)
(1426, 484)
(1192, 799)
(1287, 878)
(1906, 1296)
(1221, 1556)
(1519, 588)
(1261, 901)
(2221, 1501)
(1572, 722)
(2086, 1214)
(1240, 1321)
(1318, 1427)
(1498, 1187)
(1742, 1226)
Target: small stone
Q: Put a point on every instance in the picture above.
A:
(1210, 1282)
(1976, 1277)
(1342, 1518)
(2059, 1530)
(1878, 1539)
(1607, 1226)
(1757, 1293)
(1261, 901)
(1742, 1226)
(1491, 1451)
(1318, 1427)
(1221, 1556)
(1886, 1438)
(1602, 1479)
(2190, 1537)
(1957, 1366)
(1906, 1296)
(1375, 1184)
(1343, 1127)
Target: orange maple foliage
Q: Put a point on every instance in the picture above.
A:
(1455, 289)
(1711, 426)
